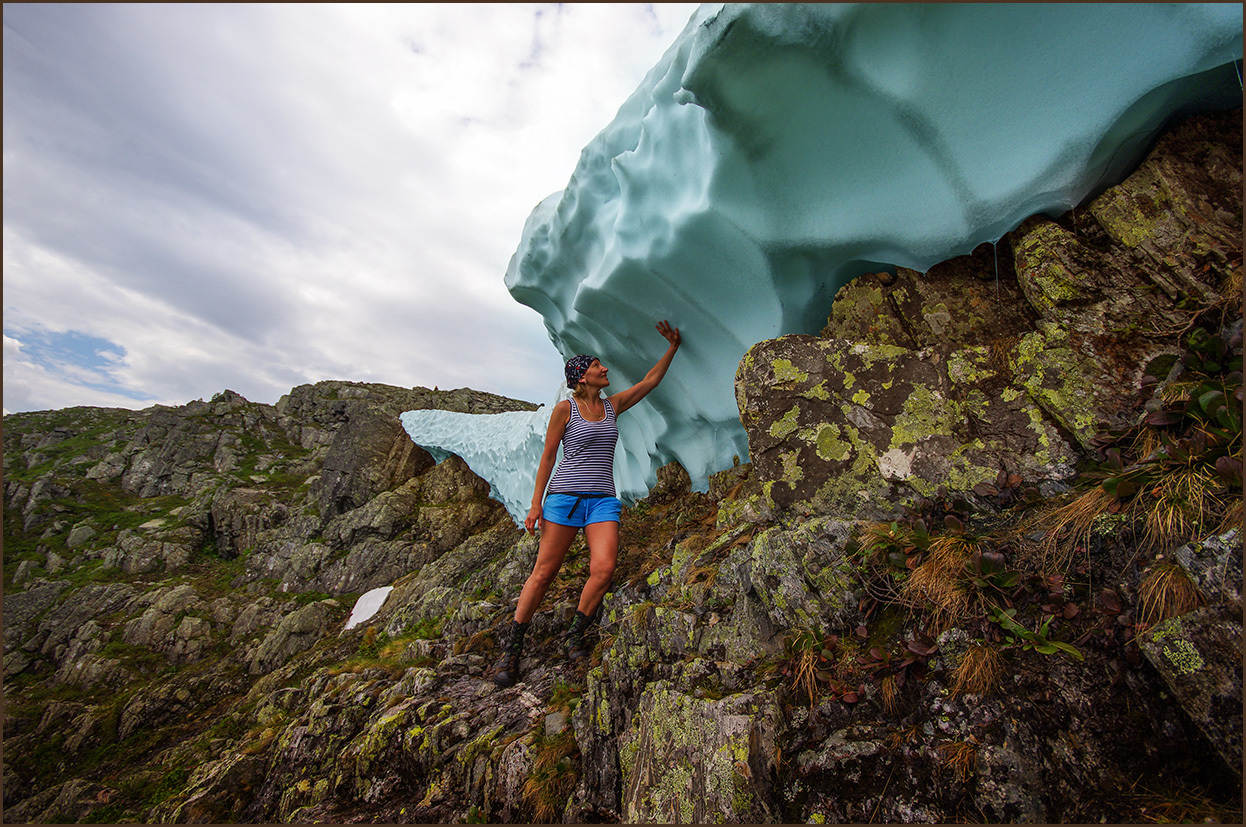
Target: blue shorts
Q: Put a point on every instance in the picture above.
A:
(579, 510)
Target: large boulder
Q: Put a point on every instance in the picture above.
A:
(691, 761)
(369, 455)
(856, 429)
(296, 632)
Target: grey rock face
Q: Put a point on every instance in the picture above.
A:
(241, 516)
(370, 454)
(80, 535)
(1199, 654)
(690, 761)
(155, 628)
(1215, 567)
(21, 608)
(297, 632)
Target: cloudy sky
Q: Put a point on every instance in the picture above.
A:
(202, 197)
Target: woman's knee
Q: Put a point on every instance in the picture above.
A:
(544, 574)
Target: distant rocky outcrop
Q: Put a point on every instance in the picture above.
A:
(933, 594)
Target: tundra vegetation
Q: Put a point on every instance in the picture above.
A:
(983, 565)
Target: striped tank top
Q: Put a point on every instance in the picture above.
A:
(587, 464)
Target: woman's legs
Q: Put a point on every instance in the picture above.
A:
(603, 553)
(555, 540)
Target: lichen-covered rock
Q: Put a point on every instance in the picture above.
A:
(297, 632)
(1215, 567)
(844, 428)
(802, 577)
(1199, 656)
(691, 761)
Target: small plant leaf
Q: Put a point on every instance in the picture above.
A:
(1209, 400)
(992, 562)
(1230, 469)
(921, 648)
(1164, 417)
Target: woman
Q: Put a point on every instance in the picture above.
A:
(581, 495)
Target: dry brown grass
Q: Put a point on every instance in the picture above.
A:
(903, 736)
(942, 601)
(961, 757)
(1001, 354)
(1234, 517)
(847, 656)
(1067, 527)
(1175, 509)
(939, 586)
(485, 640)
(978, 671)
(553, 776)
(805, 675)
(889, 691)
(1183, 805)
(1165, 592)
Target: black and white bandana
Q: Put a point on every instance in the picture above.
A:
(576, 367)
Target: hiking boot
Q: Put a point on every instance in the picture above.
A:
(508, 667)
(575, 647)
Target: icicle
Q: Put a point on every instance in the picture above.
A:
(995, 247)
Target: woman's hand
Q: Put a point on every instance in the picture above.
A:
(671, 334)
(533, 519)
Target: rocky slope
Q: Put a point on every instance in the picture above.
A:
(984, 566)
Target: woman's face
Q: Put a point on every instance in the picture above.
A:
(595, 376)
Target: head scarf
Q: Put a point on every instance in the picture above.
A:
(576, 368)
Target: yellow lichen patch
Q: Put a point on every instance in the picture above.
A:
(925, 412)
(829, 445)
(1051, 370)
(785, 424)
(1124, 220)
(818, 391)
(1184, 657)
(792, 472)
(786, 373)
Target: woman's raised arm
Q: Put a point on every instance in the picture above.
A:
(623, 400)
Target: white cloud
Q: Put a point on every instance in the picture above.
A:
(255, 196)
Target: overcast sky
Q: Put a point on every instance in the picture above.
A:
(252, 197)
